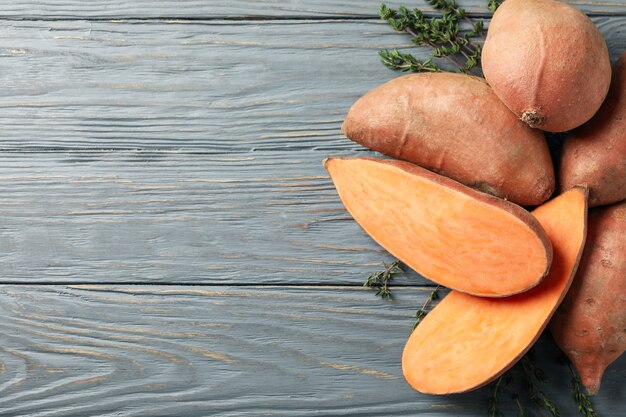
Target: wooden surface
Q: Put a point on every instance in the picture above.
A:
(198, 351)
(210, 9)
(179, 143)
(157, 157)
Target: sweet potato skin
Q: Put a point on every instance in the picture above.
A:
(547, 62)
(590, 325)
(454, 124)
(595, 153)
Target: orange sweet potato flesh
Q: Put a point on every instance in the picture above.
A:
(455, 125)
(595, 153)
(466, 342)
(454, 235)
(547, 62)
(590, 325)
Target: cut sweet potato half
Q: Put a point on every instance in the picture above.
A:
(454, 235)
(467, 341)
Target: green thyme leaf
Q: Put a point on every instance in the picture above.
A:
(380, 280)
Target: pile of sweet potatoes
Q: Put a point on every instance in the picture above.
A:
(468, 158)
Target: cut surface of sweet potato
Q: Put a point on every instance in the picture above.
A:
(456, 236)
(466, 342)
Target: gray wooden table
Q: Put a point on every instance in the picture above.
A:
(170, 243)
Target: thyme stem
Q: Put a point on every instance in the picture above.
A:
(380, 280)
(584, 403)
(421, 313)
(494, 410)
(537, 397)
(434, 46)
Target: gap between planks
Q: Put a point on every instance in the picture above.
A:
(252, 19)
(91, 284)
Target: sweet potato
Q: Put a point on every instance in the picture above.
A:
(466, 341)
(455, 125)
(595, 153)
(590, 325)
(454, 235)
(547, 62)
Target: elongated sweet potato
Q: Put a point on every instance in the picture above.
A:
(465, 341)
(590, 325)
(454, 235)
(547, 62)
(455, 125)
(595, 153)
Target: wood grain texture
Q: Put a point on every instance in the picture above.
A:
(218, 87)
(258, 217)
(197, 351)
(228, 125)
(148, 9)
(211, 87)
(189, 151)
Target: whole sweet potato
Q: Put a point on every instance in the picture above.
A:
(590, 325)
(547, 62)
(455, 125)
(595, 153)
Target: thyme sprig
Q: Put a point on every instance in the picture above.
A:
(380, 280)
(494, 409)
(533, 374)
(401, 61)
(531, 378)
(421, 313)
(584, 404)
(442, 33)
(521, 411)
(492, 5)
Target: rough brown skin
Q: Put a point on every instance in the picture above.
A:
(590, 325)
(547, 62)
(595, 153)
(455, 125)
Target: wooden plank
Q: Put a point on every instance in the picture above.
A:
(197, 351)
(77, 9)
(217, 87)
(258, 217)
(211, 87)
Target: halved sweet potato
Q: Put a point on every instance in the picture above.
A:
(454, 235)
(466, 341)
